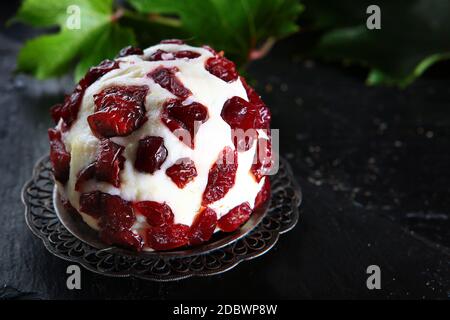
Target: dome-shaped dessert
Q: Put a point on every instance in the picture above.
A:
(149, 150)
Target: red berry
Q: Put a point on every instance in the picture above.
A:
(168, 237)
(130, 50)
(123, 238)
(119, 111)
(241, 114)
(68, 110)
(263, 194)
(177, 116)
(59, 157)
(203, 226)
(167, 79)
(221, 176)
(92, 203)
(235, 217)
(222, 68)
(182, 172)
(109, 162)
(116, 222)
(84, 175)
(151, 154)
(162, 55)
(157, 214)
(98, 71)
(116, 218)
(263, 161)
(264, 116)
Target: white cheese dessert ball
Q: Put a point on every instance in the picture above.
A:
(149, 150)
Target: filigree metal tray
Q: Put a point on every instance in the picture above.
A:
(67, 237)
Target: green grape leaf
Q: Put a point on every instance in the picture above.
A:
(237, 27)
(98, 37)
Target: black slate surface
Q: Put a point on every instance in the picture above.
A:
(373, 164)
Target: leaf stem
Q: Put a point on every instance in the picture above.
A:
(263, 50)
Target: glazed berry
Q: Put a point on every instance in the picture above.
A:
(130, 50)
(264, 116)
(182, 172)
(263, 194)
(167, 79)
(59, 156)
(151, 154)
(92, 203)
(162, 55)
(68, 110)
(124, 238)
(157, 214)
(203, 226)
(263, 160)
(116, 218)
(235, 217)
(119, 111)
(84, 175)
(222, 68)
(97, 72)
(109, 162)
(169, 237)
(221, 177)
(116, 222)
(178, 117)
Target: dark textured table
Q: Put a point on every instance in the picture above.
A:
(373, 164)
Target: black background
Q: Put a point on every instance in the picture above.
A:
(373, 164)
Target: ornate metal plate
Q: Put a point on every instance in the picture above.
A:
(46, 218)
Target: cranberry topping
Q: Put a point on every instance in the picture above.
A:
(84, 175)
(177, 116)
(242, 114)
(182, 172)
(151, 154)
(222, 68)
(92, 203)
(264, 112)
(235, 217)
(263, 194)
(106, 167)
(123, 237)
(116, 222)
(172, 41)
(167, 79)
(119, 111)
(157, 214)
(98, 71)
(168, 237)
(109, 162)
(121, 96)
(161, 55)
(203, 226)
(59, 157)
(130, 50)
(116, 218)
(263, 160)
(221, 176)
(68, 110)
